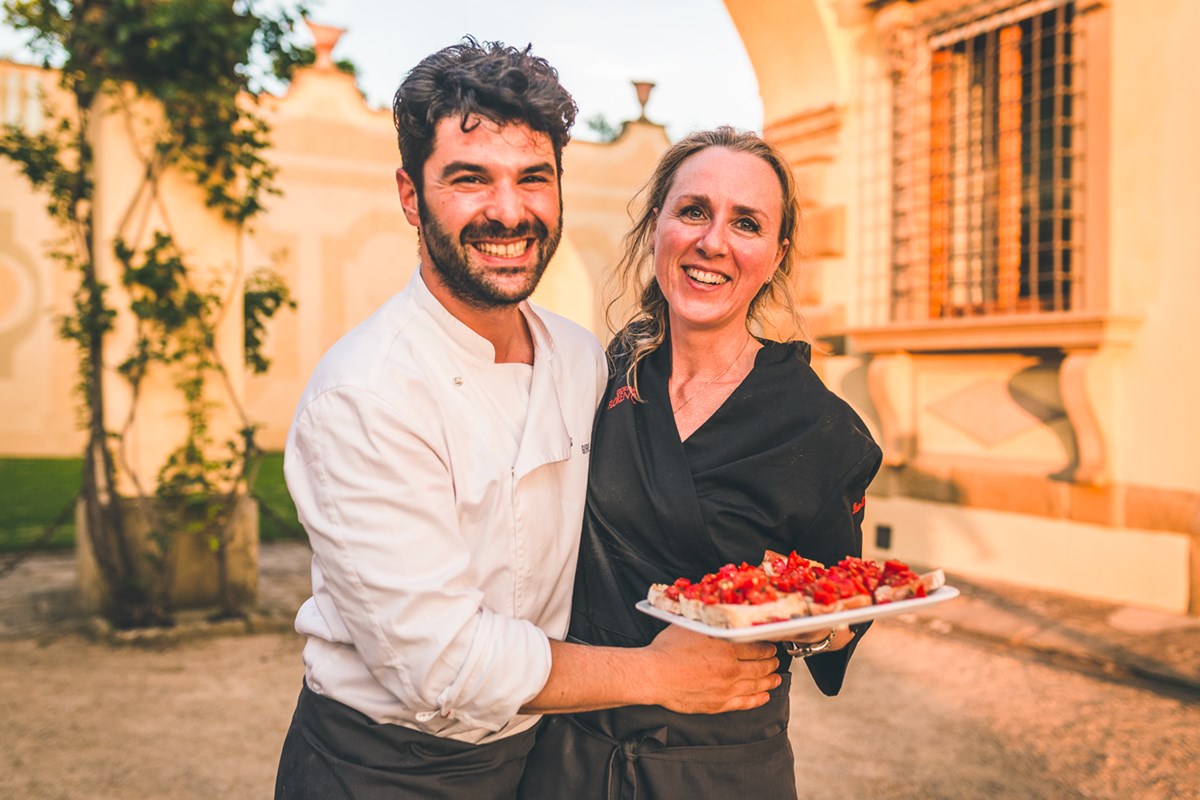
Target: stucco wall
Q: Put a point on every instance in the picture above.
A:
(1154, 246)
(37, 369)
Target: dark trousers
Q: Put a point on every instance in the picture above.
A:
(333, 752)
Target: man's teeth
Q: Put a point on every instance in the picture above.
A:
(704, 276)
(510, 250)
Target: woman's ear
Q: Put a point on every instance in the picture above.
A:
(783, 248)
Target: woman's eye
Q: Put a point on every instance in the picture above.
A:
(692, 212)
(748, 225)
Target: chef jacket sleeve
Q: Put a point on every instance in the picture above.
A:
(374, 491)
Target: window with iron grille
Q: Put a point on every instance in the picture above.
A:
(987, 166)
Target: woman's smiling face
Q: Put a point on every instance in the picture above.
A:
(716, 238)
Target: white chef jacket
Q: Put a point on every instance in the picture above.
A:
(440, 564)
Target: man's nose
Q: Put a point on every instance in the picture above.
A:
(505, 206)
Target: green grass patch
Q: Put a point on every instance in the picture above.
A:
(276, 513)
(34, 490)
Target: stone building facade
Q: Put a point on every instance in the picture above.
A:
(1002, 196)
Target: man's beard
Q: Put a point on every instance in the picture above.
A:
(472, 286)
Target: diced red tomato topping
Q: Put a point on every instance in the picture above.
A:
(748, 584)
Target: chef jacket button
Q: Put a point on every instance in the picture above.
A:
(458, 381)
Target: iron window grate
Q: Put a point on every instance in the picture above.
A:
(986, 167)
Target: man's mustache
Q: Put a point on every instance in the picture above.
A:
(526, 229)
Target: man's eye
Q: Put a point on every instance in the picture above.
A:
(468, 179)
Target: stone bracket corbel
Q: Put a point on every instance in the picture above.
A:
(1081, 382)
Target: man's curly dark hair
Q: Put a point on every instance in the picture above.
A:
(476, 81)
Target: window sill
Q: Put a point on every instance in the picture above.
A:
(1063, 331)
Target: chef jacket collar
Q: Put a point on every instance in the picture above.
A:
(546, 438)
(470, 342)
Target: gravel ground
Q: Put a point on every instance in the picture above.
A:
(202, 719)
(921, 716)
(933, 717)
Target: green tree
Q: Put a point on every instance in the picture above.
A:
(203, 62)
(604, 130)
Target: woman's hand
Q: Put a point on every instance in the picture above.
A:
(824, 640)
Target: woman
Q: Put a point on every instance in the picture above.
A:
(711, 446)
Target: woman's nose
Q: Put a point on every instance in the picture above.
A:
(713, 242)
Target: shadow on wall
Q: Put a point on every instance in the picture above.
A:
(1035, 389)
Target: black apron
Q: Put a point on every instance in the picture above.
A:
(333, 752)
(783, 464)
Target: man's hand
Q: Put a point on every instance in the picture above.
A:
(680, 670)
(697, 674)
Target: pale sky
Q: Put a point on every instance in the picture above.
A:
(688, 48)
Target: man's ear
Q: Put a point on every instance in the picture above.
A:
(408, 198)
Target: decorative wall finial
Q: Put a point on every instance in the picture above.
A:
(325, 38)
(643, 95)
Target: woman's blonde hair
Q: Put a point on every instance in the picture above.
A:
(645, 328)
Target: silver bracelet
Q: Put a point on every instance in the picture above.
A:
(806, 649)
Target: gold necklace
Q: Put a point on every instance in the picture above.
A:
(714, 379)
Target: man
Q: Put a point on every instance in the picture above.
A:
(438, 461)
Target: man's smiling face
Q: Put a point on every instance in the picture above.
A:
(491, 210)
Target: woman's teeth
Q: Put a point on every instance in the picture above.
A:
(510, 250)
(704, 276)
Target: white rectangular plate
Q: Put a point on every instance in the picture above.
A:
(776, 631)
